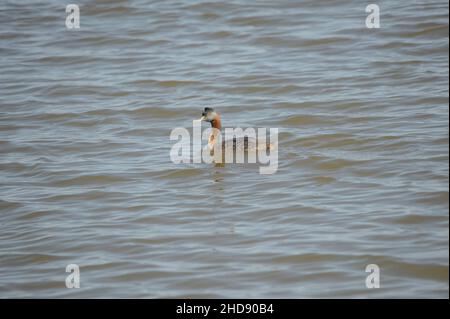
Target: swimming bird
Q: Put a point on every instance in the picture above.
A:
(243, 143)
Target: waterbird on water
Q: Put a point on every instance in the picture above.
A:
(244, 143)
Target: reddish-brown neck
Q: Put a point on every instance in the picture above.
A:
(216, 123)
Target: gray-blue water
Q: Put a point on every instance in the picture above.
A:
(86, 177)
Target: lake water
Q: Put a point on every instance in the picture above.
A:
(85, 170)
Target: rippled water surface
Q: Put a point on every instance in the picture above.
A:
(86, 177)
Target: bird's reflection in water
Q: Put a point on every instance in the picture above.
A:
(220, 226)
(218, 177)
